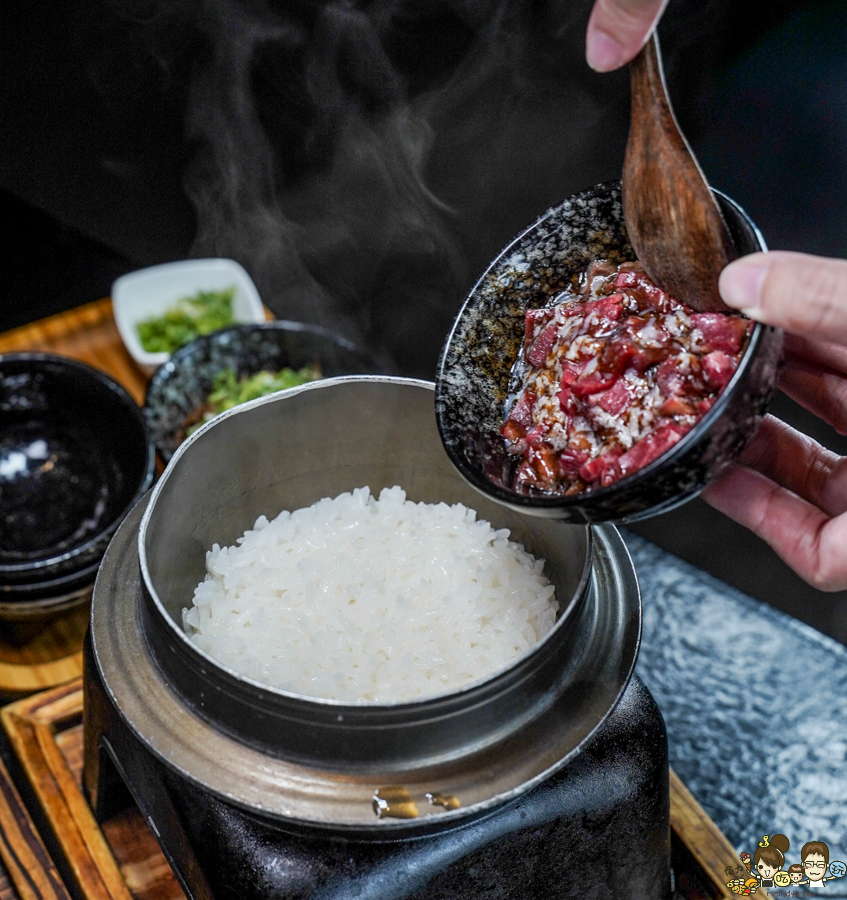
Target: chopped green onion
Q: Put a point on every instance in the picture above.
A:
(203, 313)
(229, 391)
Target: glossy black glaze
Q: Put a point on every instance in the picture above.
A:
(597, 828)
(183, 383)
(74, 458)
(475, 367)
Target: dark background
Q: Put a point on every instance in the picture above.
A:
(364, 161)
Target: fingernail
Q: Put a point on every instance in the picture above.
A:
(602, 52)
(740, 285)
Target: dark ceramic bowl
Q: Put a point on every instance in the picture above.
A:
(74, 459)
(63, 586)
(183, 383)
(474, 371)
(26, 608)
(23, 610)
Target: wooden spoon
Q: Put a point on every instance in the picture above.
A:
(674, 223)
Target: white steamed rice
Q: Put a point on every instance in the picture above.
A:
(371, 600)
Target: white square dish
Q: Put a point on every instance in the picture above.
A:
(149, 292)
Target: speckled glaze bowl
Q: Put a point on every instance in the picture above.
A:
(475, 367)
(183, 383)
(74, 459)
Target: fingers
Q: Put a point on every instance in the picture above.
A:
(805, 295)
(819, 389)
(822, 353)
(618, 29)
(792, 493)
(799, 464)
(806, 538)
(795, 494)
(815, 375)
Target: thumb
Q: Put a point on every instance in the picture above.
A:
(805, 295)
(618, 29)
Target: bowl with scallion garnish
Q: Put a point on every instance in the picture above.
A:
(162, 308)
(216, 372)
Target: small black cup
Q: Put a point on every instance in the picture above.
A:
(74, 458)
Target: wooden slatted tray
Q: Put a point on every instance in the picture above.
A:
(26, 871)
(118, 861)
(121, 860)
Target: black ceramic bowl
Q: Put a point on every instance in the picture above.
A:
(25, 608)
(182, 384)
(74, 459)
(475, 367)
(64, 585)
(34, 605)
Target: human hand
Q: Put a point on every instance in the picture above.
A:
(789, 489)
(618, 29)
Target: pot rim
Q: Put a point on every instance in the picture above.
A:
(566, 613)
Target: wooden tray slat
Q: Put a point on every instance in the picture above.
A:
(32, 726)
(121, 859)
(27, 872)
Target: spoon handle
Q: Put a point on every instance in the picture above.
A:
(675, 226)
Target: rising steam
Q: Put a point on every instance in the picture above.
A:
(363, 161)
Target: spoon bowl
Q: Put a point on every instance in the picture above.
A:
(676, 228)
(474, 372)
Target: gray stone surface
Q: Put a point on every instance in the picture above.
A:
(755, 704)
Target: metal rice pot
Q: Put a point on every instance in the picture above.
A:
(548, 779)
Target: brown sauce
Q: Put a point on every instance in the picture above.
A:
(394, 802)
(448, 801)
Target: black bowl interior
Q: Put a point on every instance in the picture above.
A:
(183, 383)
(74, 457)
(475, 368)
